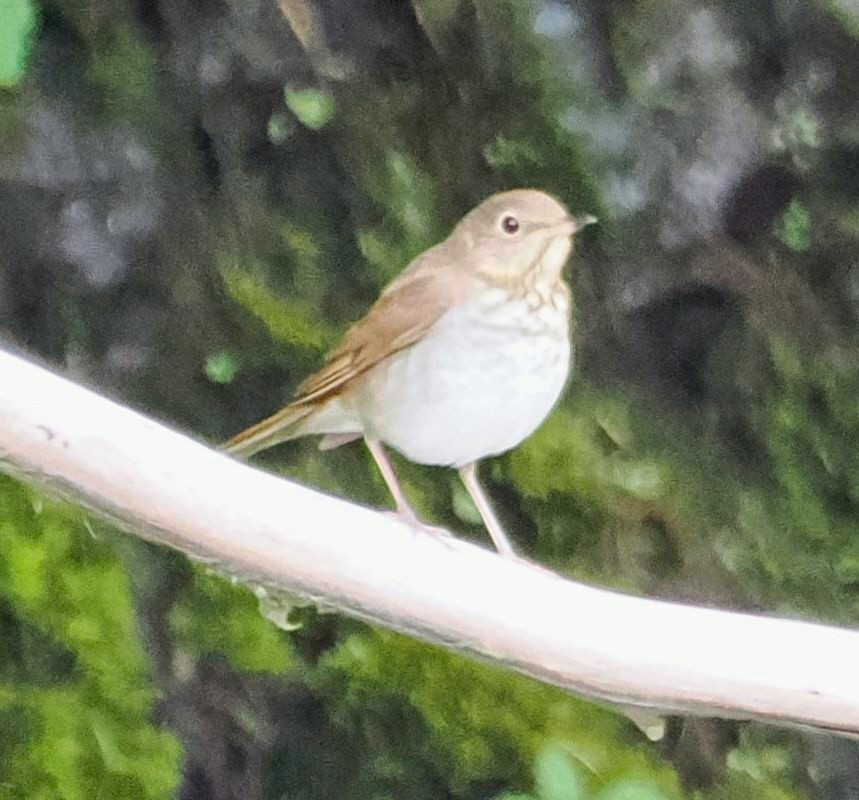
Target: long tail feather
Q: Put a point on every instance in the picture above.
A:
(279, 427)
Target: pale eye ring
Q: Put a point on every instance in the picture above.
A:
(509, 224)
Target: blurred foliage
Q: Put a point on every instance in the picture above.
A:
(795, 228)
(311, 107)
(484, 736)
(241, 634)
(221, 367)
(196, 200)
(560, 775)
(76, 694)
(18, 20)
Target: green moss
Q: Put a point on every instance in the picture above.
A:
(216, 616)
(488, 729)
(89, 733)
(289, 320)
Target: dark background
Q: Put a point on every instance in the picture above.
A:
(197, 197)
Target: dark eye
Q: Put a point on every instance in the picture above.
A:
(510, 224)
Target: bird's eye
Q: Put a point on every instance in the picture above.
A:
(509, 224)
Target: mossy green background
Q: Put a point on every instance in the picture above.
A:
(196, 201)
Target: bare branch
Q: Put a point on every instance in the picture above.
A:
(167, 488)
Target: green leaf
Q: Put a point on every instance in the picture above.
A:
(221, 367)
(280, 127)
(314, 109)
(17, 23)
(794, 229)
(556, 775)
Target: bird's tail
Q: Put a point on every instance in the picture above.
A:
(280, 427)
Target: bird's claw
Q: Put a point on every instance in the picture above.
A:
(441, 534)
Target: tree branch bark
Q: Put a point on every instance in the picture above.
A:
(165, 487)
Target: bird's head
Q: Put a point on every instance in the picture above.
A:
(520, 233)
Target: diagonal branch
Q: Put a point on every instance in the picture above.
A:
(167, 488)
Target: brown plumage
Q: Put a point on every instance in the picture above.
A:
(405, 310)
(439, 344)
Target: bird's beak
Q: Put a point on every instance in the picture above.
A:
(572, 224)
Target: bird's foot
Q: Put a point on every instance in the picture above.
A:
(447, 538)
(409, 517)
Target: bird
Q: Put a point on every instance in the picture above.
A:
(461, 358)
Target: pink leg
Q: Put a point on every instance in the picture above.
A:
(468, 473)
(404, 510)
(390, 477)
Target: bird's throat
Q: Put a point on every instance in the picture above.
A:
(542, 283)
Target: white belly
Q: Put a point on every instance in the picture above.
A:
(480, 382)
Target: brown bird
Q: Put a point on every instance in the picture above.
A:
(461, 357)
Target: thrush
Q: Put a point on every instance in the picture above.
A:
(462, 356)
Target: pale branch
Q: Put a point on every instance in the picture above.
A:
(167, 488)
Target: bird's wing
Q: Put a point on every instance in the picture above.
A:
(402, 315)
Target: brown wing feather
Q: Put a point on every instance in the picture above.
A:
(270, 431)
(401, 316)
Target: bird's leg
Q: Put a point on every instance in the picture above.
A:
(387, 469)
(468, 473)
(404, 510)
